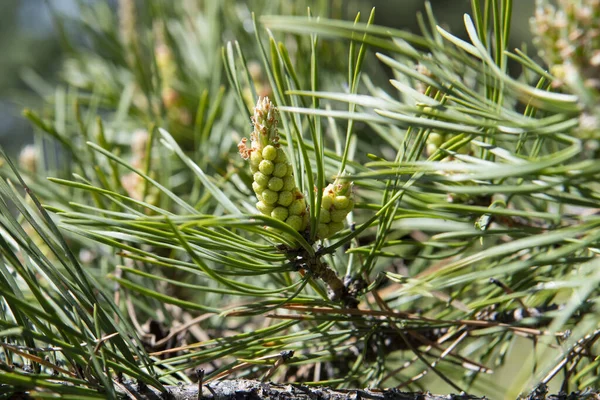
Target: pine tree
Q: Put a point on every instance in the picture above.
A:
(417, 233)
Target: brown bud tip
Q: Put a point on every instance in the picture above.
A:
(243, 149)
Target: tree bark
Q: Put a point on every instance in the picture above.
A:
(255, 390)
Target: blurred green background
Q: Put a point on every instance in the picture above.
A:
(29, 63)
(32, 54)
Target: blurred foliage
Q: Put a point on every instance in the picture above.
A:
(22, 45)
(28, 48)
(32, 52)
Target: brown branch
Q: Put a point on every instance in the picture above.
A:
(255, 390)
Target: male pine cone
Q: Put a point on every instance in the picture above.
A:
(273, 176)
(336, 203)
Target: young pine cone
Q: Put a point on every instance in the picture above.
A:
(336, 203)
(273, 176)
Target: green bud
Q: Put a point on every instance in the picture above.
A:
(266, 167)
(339, 188)
(431, 148)
(261, 179)
(269, 196)
(255, 158)
(254, 168)
(289, 183)
(280, 213)
(281, 157)
(295, 222)
(275, 184)
(297, 207)
(285, 198)
(264, 208)
(326, 202)
(265, 123)
(269, 153)
(258, 189)
(341, 202)
(280, 170)
(336, 215)
(435, 139)
(325, 217)
(322, 230)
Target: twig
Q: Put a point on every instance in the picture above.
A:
(247, 389)
(200, 375)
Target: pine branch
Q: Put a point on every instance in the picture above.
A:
(249, 389)
(474, 175)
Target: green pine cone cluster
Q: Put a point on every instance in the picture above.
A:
(273, 176)
(274, 184)
(336, 203)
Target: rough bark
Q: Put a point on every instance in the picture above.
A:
(251, 390)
